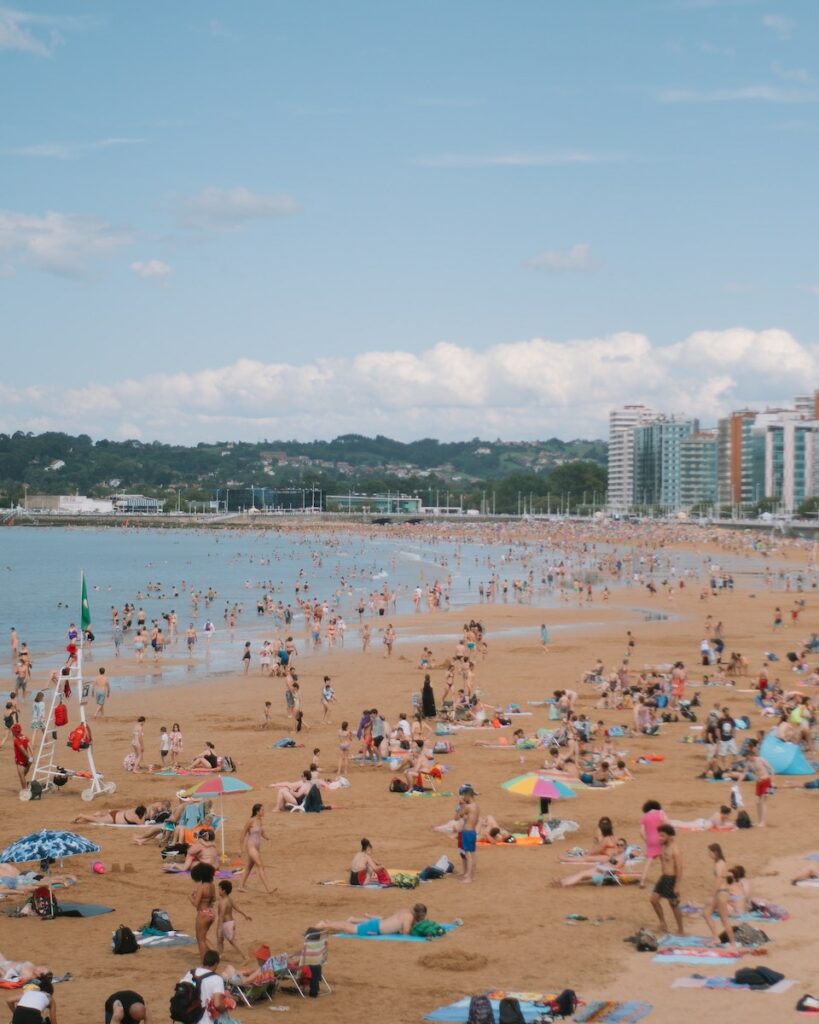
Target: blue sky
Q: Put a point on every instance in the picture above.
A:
(269, 219)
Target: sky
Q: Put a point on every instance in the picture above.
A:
(276, 220)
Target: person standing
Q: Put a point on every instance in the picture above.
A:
(252, 837)
(102, 691)
(653, 817)
(763, 773)
(668, 884)
(544, 638)
(22, 754)
(246, 658)
(469, 813)
(138, 742)
(211, 986)
(389, 640)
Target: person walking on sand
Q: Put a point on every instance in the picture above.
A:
(389, 640)
(102, 691)
(138, 742)
(203, 898)
(668, 884)
(469, 813)
(544, 638)
(225, 924)
(345, 741)
(252, 837)
(719, 904)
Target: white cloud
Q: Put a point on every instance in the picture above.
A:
(35, 34)
(216, 209)
(578, 257)
(60, 243)
(559, 158)
(716, 51)
(780, 24)
(152, 270)
(763, 93)
(69, 150)
(812, 289)
(792, 74)
(519, 389)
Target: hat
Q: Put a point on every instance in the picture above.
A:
(263, 952)
(467, 787)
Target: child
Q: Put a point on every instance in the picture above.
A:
(345, 740)
(38, 713)
(265, 715)
(225, 925)
(314, 764)
(176, 743)
(328, 697)
(164, 743)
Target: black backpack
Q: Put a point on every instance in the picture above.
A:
(313, 804)
(509, 1011)
(228, 764)
(743, 820)
(757, 977)
(566, 1003)
(124, 941)
(160, 922)
(186, 1002)
(480, 1011)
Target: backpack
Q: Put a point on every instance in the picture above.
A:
(509, 1011)
(565, 1004)
(160, 922)
(228, 764)
(401, 880)
(60, 714)
(36, 789)
(757, 977)
(427, 929)
(399, 786)
(44, 902)
(646, 941)
(186, 1002)
(480, 1011)
(124, 941)
(743, 820)
(747, 935)
(313, 803)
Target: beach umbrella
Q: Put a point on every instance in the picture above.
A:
(221, 786)
(47, 844)
(533, 784)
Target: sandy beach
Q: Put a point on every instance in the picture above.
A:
(515, 934)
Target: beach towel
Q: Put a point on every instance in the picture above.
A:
(521, 839)
(426, 792)
(720, 982)
(448, 927)
(810, 882)
(457, 1012)
(166, 940)
(80, 910)
(612, 1012)
(220, 873)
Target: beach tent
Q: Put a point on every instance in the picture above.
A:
(784, 758)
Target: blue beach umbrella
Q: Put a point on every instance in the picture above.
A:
(45, 844)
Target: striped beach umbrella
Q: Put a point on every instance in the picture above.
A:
(534, 784)
(221, 786)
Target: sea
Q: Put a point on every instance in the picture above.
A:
(156, 569)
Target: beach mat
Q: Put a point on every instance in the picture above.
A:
(612, 1012)
(165, 941)
(81, 910)
(722, 983)
(521, 839)
(448, 927)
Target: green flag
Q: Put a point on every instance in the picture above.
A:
(85, 611)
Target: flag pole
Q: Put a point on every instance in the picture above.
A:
(97, 785)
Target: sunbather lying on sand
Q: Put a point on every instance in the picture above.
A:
(127, 816)
(601, 873)
(719, 821)
(399, 923)
(489, 831)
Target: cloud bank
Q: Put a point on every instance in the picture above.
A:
(515, 390)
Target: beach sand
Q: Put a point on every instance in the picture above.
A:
(515, 935)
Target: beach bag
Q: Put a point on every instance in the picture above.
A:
(35, 789)
(555, 714)
(60, 714)
(747, 935)
(228, 764)
(509, 1011)
(757, 977)
(427, 929)
(480, 1011)
(399, 786)
(565, 1004)
(743, 820)
(646, 941)
(313, 803)
(129, 762)
(404, 881)
(160, 921)
(186, 1002)
(44, 902)
(124, 941)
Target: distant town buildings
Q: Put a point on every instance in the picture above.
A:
(668, 462)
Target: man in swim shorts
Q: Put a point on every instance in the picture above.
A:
(668, 884)
(469, 813)
(399, 923)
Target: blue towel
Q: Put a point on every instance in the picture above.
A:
(456, 1013)
(392, 938)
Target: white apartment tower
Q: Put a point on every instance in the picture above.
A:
(622, 422)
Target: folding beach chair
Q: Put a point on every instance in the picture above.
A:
(256, 992)
(309, 966)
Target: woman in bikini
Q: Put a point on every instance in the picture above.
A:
(252, 837)
(134, 816)
(364, 867)
(203, 899)
(719, 902)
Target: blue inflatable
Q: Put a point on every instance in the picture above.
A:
(784, 758)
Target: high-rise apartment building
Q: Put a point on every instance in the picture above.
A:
(791, 461)
(656, 461)
(698, 469)
(621, 452)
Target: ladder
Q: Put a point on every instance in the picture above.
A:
(46, 768)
